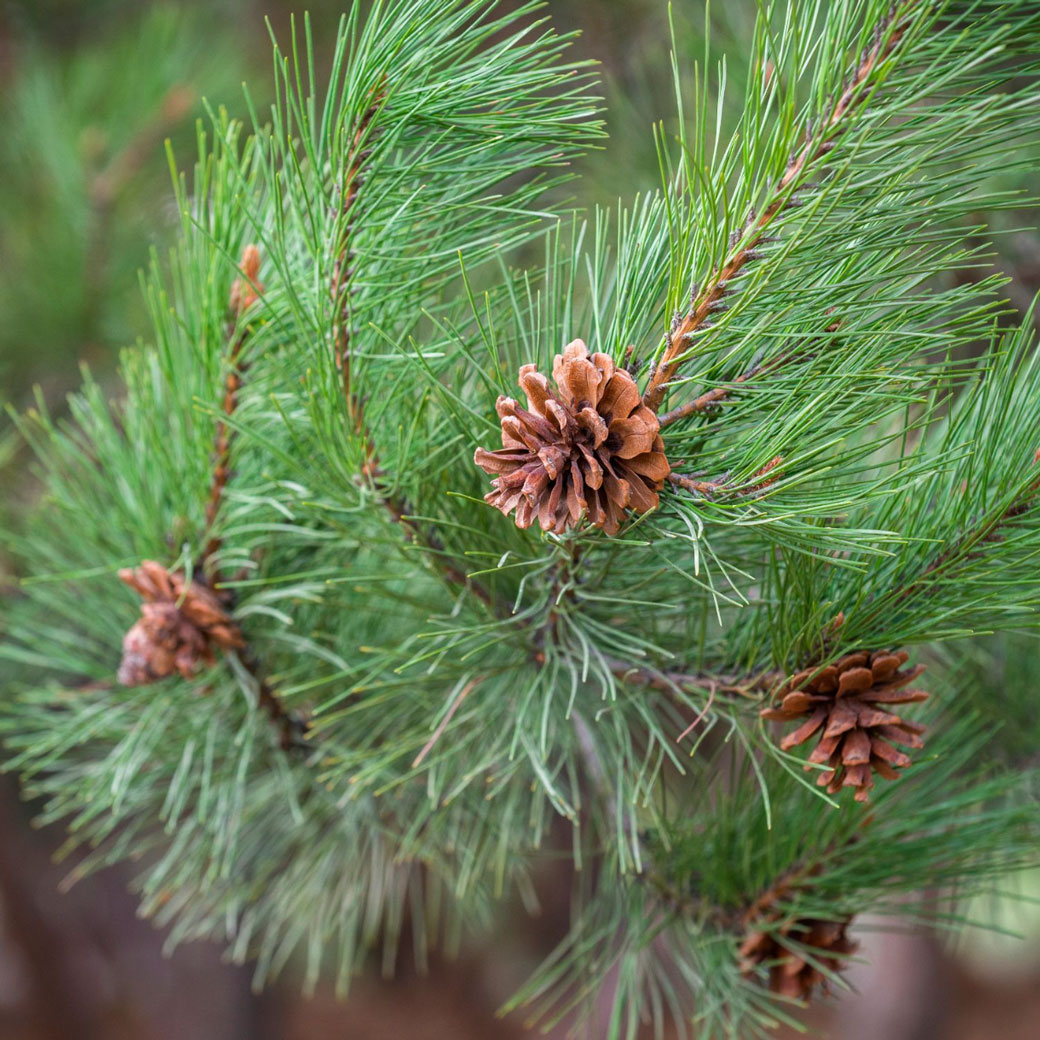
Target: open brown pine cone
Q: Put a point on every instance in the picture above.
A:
(848, 702)
(180, 624)
(788, 950)
(589, 447)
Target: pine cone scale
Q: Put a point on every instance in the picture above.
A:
(855, 680)
(843, 717)
(856, 748)
(870, 716)
(901, 734)
(804, 732)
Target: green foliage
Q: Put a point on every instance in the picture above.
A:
(85, 186)
(467, 683)
(724, 855)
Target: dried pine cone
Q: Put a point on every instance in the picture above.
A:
(180, 624)
(785, 950)
(589, 447)
(848, 702)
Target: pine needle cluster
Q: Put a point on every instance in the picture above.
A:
(361, 695)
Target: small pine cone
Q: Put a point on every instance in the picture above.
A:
(785, 952)
(180, 624)
(589, 447)
(848, 702)
(245, 291)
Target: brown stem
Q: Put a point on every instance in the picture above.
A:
(244, 292)
(708, 399)
(397, 507)
(342, 332)
(670, 681)
(816, 145)
(767, 475)
(705, 488)
(291, 725)
(353, 175)
(740, 917)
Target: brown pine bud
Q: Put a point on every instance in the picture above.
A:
(589, 447)
(245, 291)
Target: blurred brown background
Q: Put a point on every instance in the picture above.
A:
(89, 89)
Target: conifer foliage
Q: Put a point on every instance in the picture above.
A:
(782, 435)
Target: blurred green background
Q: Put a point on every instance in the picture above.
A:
(89, 92)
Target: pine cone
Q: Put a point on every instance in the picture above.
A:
(591, 447)
(180, 624)
(848, 701)
(785, 949)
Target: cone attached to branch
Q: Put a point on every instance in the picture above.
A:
(181, 624)
(588, 447)
(798, 953)
(849, 703)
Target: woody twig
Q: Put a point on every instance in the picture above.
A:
(818, 141)
(768, 475)
(245, 291)
(184, 621)
(343, 334)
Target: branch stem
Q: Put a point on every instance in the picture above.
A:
(290, 725)
(816, 145)
(342, 338)
(245, 291)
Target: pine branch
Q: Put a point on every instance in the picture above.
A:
(670, 681)
(430, 541)
(739, 915)
(710, 398)
(188, 615)
(342, 331)
(818, 142)
(354, 174)
(452, 737)
(290, 725)
(761, 480)
(245, 291)
(970, 546)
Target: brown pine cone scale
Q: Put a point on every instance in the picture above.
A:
(180, 625)
(849, 703)
(589, 447)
